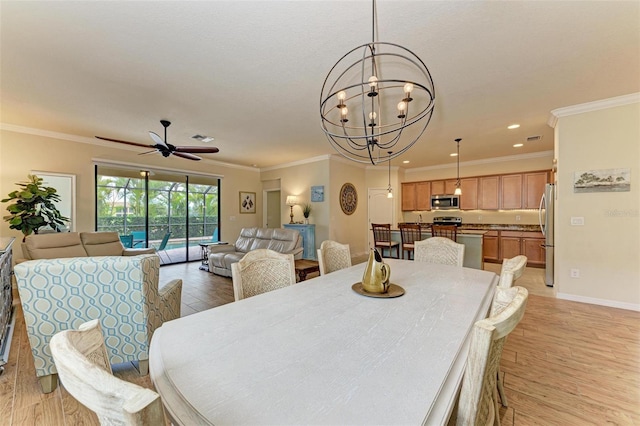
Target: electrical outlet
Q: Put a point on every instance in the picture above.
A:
(575, 273)
(517, 217)
(232, 218)
(480, 217)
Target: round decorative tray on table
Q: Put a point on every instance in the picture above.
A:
(393, 291)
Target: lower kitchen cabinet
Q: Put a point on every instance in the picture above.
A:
(499, 245)
(532, 247)
(491, 246)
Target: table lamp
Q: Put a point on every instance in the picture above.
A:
(292, 200)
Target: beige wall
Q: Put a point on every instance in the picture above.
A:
(606, 250)
(297, 179)
(348, 229)
(21, 152)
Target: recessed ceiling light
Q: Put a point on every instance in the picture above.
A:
(518, 145)
(453, 154)
(513, 126)
(406, 161)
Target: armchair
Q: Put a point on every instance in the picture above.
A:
(121, 291)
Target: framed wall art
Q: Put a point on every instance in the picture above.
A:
(317, 194)
(348, 198)
(605, 180)
(247, 202)
(65, 184)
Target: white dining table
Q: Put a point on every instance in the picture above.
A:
(319, 353)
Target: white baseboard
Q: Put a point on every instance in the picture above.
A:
(602, 302)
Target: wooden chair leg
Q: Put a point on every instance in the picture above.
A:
(48, 383)
(503, 396)
(143, 366)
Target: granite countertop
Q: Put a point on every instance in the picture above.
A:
(499, 227)
(488, 227)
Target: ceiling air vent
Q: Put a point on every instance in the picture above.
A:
(534, 138)
(202, 138)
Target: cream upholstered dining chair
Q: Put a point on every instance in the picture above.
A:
(333, 256)
(409, 234)
(83, 367)
(512, 269)
(478, 403)
(439, 250)
(260, 271)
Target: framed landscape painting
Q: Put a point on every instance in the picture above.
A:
(247, 202)
(605, 180)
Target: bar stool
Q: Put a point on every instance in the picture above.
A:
(382, 239)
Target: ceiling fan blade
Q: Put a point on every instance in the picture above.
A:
(197, 149)
(125, 142)
(187, 156)
(157, 139)
(149, 152)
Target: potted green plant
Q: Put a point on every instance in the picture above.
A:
(306, 211)
(33, 207)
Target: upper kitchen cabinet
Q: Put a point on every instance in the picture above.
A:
(408, 196)
(511, 191)
(423, 196)
(439, 187)
(533, 188)
(489, 193)
(416, 196)
(469, 197)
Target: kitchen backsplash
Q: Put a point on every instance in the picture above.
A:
(510, 217)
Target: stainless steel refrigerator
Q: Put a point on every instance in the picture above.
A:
(545, 216)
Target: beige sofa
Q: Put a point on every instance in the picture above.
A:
(76, 244)
(221, 256)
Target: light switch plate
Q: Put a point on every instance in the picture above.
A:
(577, 221)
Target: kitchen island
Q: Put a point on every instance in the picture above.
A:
(472, 240)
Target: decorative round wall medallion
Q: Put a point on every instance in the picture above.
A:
(348, 198)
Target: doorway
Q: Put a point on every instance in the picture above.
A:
(271, 214)
(381, 210)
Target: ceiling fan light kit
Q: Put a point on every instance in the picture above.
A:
(165, 148)
(371, 96)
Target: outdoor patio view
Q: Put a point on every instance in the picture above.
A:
(173, 217)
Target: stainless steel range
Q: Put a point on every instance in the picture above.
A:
(447, 220)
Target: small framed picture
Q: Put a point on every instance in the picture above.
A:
(247, 202)
(317, 194)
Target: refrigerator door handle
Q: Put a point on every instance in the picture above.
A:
(542, 226)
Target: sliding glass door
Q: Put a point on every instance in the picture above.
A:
(172, 213)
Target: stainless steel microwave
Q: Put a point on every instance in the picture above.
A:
(445, 202)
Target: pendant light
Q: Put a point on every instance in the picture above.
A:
(390, 193)
(458, 190)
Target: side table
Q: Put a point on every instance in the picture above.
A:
(304, 267)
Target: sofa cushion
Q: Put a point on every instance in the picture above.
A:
(54, 245)
(102, 243)
(245, 240)
(283, 240)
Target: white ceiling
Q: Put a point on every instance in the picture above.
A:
(249, 73)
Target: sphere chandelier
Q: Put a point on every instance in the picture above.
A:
(371, 97)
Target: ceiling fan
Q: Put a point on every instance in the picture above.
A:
(166, 149)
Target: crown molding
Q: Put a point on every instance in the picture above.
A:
(494, 160)
(159, 169)
(592, 106)
(96, 142)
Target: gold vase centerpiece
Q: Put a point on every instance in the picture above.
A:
(377, 274)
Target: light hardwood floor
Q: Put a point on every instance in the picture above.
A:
(567, 363)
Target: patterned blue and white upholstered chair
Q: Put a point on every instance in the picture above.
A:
(121, 291)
